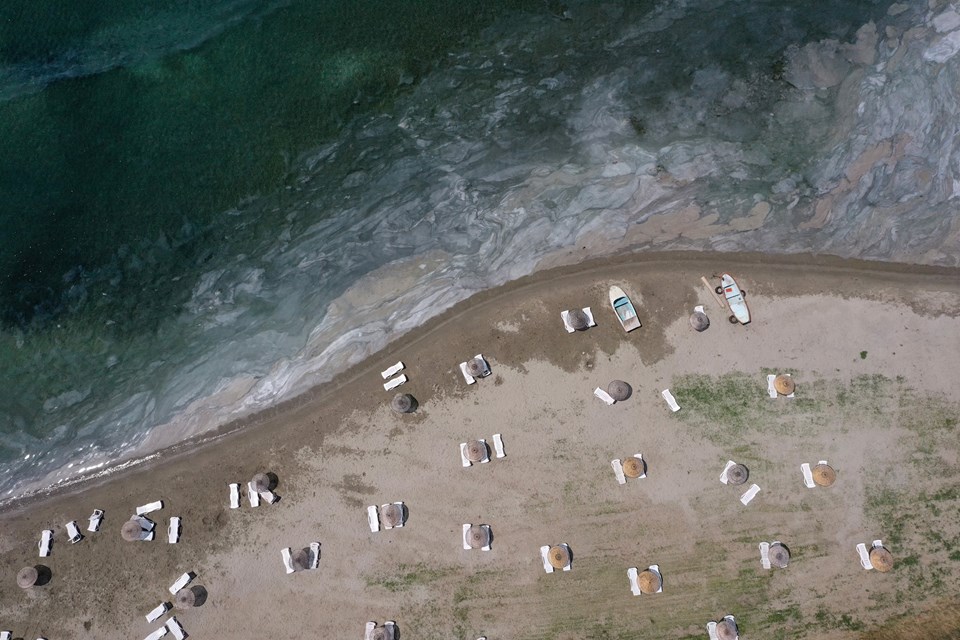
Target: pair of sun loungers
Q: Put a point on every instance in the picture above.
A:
(765, 553)
(253, 495)
(497, 445)
(749, 494)
(389, 626)
(865, 554)
(373, 517)
(772, 390)
(712, 628)
(466, 529)
(549, 568)
(609, 400)
(287, 556)
(470, 379)
(565, 316)
(395, 382)
(617, 465)
(171, 626)
(633, 573)
(808, 474)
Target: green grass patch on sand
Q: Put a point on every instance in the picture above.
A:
(408, 576)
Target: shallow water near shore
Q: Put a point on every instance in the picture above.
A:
(224, 219)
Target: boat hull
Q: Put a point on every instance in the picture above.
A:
(623, 307)
(735, 300)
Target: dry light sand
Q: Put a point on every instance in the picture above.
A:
(873, 349)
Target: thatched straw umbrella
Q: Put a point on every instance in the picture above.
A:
(28, 577)
(476, 451)
(392, 514)
(476, 367)
(784, 384)
(264, 481)
(137, 528)
(737, 474)
(726, 630)
(558, 557)
(403, 403)
(881, 559)
(578, 320)
(824, 475)
(301, 559)
(478, 536)
(699, 321)
(619, 390)
(779, 556)
(632, 467)
(380, 633)
(649, 581)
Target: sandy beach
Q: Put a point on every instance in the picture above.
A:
(872, 348)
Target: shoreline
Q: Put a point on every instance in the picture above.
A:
(325, 390)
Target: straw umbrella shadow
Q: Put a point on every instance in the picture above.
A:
(35, 576)
(194, 596)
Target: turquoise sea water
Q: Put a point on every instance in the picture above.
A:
(194, 193)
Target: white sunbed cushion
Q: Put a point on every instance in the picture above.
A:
(466, 528)
(173, 530)
(46, 540)
(5, 635)
(712, 630)
(253, 495)
(181, 582)
(618, 471)
(671, 401)
(234, 495)
(498, 445)
(765, 555)
(161, 609)
(726, 468)
(486, 528)
(565, 316)
(864, 556)
(877, 543)
(176, 628)
(287, 560)
(95, 519)
(373, 519)
(656, 569)
(632, 577)
(269, 496)
(807, 475)
(469, 379)
(771, 390)
(464, 460)
(544, 550)
(368, 630)
(699, 308)
(749, 494)
(157, 634)
(396, 382)
(603, 395)
(314, 555)
(389, 371)
(149, 508)
(73, 533)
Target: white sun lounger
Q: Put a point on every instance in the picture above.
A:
(368, 630)
(466, 527)
(565, 316)
(749, 494)
(618, 471)
(176, 628)
(5, 635)
(639, 456)
(253, 495)
(723, 476)
(181, 582)
(877, 543)
(173, 530)
(498, 445)
(603, 395)
(234, 495)
(544, 550)
(396, 382)
(807, 475)
(314, 555)
(656, 569)
(712, 630)
(269, 496)
(389, 371)
(373, 519)
(73, 533)
(390, 627)
(671, 401)
(632, 577)
(46, 540)
(149, 508)
(569, 555)
(95, 519)
(765, 555)
(864, 556)
(287, 559)
(157, 634)
(161, 609)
